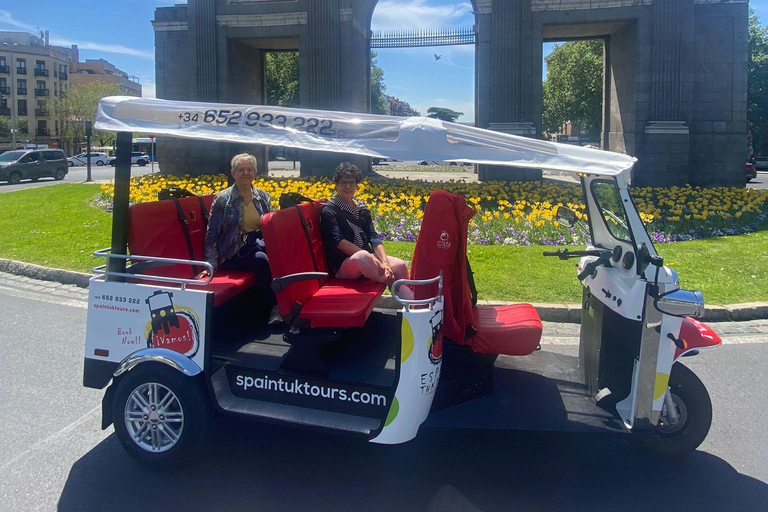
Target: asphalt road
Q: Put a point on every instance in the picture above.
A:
(75, 175)
(53, 454)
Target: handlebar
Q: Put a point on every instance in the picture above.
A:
(564, 254)
(591, 267)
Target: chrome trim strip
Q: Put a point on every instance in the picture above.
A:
(173, 359)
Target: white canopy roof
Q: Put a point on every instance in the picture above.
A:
(400, 138)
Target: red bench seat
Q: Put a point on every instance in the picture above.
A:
(155, 229)
(320, 302)
(513, 330)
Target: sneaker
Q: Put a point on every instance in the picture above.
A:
(274, 317)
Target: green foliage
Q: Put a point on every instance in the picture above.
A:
(378, 103)
(22, 131)
(573, 90)
(282, 79)
(79, 104)
(757, 83)
(443, 113)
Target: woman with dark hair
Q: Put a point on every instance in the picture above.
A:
(353, 248)
(233, 240)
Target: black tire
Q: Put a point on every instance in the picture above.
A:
(194, 412)
(99, 162)
(59, 174)
(423, 162)
(453, 164)
(70, 164)
(141, 162)
(34, 179)
(14, 177)
(695, 410)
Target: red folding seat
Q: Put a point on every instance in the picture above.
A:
(156, 229)
(294, 246)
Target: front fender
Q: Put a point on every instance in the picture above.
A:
(695, 336)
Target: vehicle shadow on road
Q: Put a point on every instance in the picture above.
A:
(253, 466)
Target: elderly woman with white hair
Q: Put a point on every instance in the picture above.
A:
(233, 240)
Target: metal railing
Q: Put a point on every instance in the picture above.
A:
(423, 37)
(5, 69)
(418, 282)
(5, 90)
(21, 71)
(104, 269)
(41, 112)
(41, 92)
(21, 92)
(41, 72)
(43, 132)
(5, 111)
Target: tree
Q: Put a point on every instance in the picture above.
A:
(282, 79)
(757, 83)
(573, 90)
(443, 113)
(79, 104)
(22, 131)
(378, 103)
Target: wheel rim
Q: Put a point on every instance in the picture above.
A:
(154, 417)
(60, 174)
(14, 178)
(665, 427)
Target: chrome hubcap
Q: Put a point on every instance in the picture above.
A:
(664, 426)
(154, 417)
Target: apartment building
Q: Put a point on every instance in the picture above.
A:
(32, 74)
(95, 70)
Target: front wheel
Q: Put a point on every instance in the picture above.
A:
(142, 162)
(160, 415)
(99, 162)
(70, 164)
(694, 411)
(14, 177)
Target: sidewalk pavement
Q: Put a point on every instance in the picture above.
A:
(75, 284)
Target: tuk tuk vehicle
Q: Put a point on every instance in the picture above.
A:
(172, 350)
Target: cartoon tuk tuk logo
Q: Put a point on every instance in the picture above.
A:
(435, 346)
(175, 330)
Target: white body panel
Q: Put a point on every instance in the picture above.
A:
(120, 320)
(420, 363)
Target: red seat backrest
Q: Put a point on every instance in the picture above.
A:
(289, 251)
(155, 229)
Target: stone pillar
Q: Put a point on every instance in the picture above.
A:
(666, 144)
(202, 24)
(336, 82)
(505, 55)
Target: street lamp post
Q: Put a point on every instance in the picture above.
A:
(13, 105)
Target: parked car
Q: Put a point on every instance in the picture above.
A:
(761, 163)
(137, 157)
(32, 164)
(751, 172)
(82, 159)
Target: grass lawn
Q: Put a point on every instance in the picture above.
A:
(58, 227)
(54, 226)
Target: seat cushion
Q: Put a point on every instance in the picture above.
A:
(224, 285)
(514, 330)
(342, 303)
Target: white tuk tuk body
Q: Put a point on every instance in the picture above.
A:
(140, 319)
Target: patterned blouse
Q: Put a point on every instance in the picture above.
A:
(225, 224)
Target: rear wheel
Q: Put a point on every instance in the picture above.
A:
(14, 177)
(141, 162)
(99, 162)
(70, 164)
(694, 411)
(160, 415)
(59, 174)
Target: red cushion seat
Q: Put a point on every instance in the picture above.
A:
(327, 302)
(514, 329)
(342, 303)
(156, 230)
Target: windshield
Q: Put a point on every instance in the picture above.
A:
(11, 156)
(160, 301)
(609, 201)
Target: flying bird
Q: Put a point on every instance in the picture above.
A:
(438, 57)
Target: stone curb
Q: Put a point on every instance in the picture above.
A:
(561, 313)
(44, 273)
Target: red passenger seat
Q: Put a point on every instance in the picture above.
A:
(513, 330)
(317, 302)
(155, 229)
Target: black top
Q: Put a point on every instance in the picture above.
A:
(336, 228)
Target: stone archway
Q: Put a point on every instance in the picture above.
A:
(674, 98)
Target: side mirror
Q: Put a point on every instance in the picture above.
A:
(643, 259)
(566, 216)
(681, 303)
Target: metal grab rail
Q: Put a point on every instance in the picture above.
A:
(104, 269)
(418, 282)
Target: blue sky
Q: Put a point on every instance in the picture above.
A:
(120, 31)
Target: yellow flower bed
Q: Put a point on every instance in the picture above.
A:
(508, 212)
